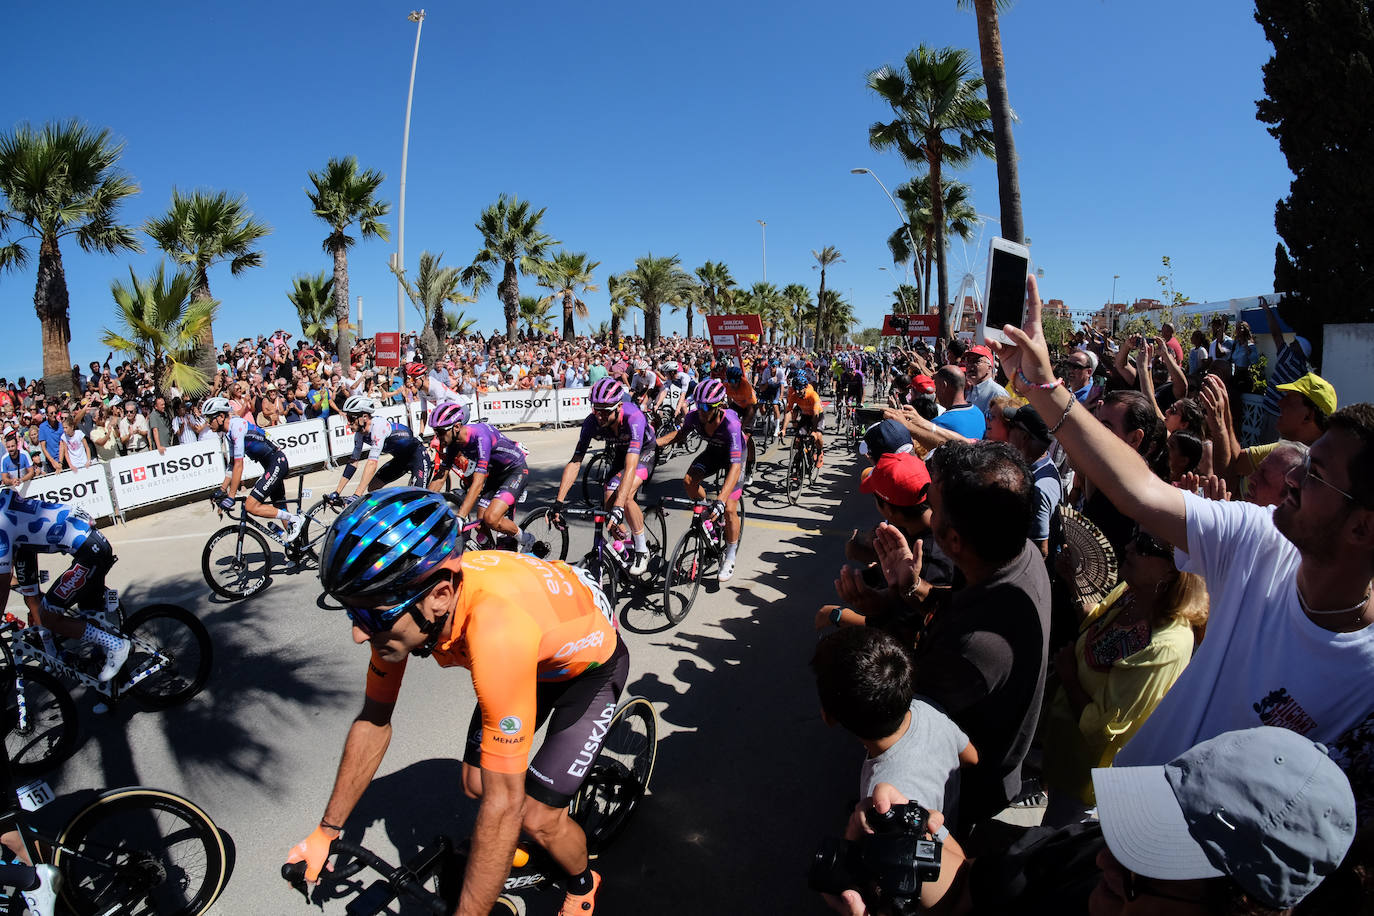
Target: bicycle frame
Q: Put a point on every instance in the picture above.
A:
(30, 648)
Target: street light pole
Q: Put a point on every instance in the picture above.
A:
(916, 264)
(1111, 306)
(417, 17)
(764, 227)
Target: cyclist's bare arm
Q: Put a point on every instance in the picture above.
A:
(368, 738)
(233, 478)
(667, 438)
(569, 478)
(475, 487)
(493, 841)
(369, 469)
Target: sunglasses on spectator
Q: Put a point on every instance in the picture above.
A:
(1303, 472)
(1147, 545)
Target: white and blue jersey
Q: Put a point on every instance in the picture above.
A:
(42, 527)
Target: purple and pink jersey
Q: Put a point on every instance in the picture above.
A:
(728, 437)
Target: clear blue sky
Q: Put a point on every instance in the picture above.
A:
(654, 129)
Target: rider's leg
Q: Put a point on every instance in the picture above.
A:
(692, 483)
(495, 517)
(85, 579)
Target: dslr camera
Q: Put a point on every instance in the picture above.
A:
(887, 867)
(900, 323)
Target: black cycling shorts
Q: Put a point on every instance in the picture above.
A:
(809, 423)
(270, 488)
(414, 459)
(711, 461)
(82, 585)
(507, 485)
(578, 712)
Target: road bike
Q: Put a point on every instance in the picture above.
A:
(600, 468)
(238, 558)
(697, 554)
(667, 420)
(133, 852)
(609, 558)
(801, 464)
(764, 429)
(432, 879)
(169, 661)
(39, 716)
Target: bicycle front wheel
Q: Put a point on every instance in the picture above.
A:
(550, 540)
(685, 571)
(140, 852)
(317, 521)
(796, 474)
(594, 477)
(237, 562)
(620, 776)
(46, 736)
(171, 658)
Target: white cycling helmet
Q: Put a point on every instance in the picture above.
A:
(215, 405)
(360, 404)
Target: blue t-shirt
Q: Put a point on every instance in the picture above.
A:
(7, 464)
(966, 420)
(51, 436)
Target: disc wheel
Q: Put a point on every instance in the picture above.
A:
(47, 736)
(171, 636)
(237, 562)
(141, 852)
(620, 775)
(685, 572)
(550, 540)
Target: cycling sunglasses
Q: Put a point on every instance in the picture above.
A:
(378, 620)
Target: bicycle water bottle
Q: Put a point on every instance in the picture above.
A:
(706, 523)
(619, 548)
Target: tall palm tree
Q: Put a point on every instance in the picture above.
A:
(716, 284)
(512, 238)
(941, 119)
(995, 75)
(567, 274)
(537, 314)
(824, 258)
(344, 196)
(693, 299)
(313, 297)
(200, 229)
(770, 307)
(655, 282)
(161, 325)
(434, 285)
(798, 298)
(837, 318)
(622, 300)
(906, 299)
(62, 180)
(960, 220)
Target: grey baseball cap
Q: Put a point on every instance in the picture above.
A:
(1264, 806)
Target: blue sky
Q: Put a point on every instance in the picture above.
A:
(648, 128)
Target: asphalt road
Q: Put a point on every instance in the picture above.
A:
(748, 777)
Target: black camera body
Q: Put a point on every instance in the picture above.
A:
(887, 867)
(900, 323)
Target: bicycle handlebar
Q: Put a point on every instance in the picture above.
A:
(401, 879)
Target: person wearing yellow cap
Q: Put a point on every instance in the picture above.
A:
(1304, 408)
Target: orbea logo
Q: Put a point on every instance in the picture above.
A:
(166, 468)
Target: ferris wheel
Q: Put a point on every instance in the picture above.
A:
(970, 265)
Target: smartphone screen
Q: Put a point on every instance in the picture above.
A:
(1006, 289)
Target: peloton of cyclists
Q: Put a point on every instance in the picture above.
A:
(769, 386)
(539, 641)
(621, 423)
(720, 429)
(378, 436)
(497, 464)
(805, 409)
(267, 498)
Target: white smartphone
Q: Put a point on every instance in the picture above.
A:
(1008, 266)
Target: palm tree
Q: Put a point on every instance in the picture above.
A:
(343, 196)
(655, 282)
(537, 314)
(693, 299)
(941, 119)
(162, 325)
(567, 274)
(960, 220)
(433, 286)
(313, 297)
(837, 318)
(716, 284)
(771, 308)
(458, 323)
(995, 75)
(906, 298)
(512, 238)
(798, 298)
(200, 229)
(60, 181)
(824, 258)
(622, 300)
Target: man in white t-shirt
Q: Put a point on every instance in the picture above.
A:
(1289, 638)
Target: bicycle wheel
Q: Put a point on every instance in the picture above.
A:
(685, 572)
(169, 634)
(796, 474)
(594, 476)
(237, 562)
(49, 731)
(550, 541)
(317, 522)
(656, 537)
(620, 775)
(141, 851)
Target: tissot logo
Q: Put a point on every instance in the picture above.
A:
(67, 494)
(157, 469)
(298, 440)
(574, 402)
(518, 404)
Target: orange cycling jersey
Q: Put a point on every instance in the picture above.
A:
(519, 620)
(809, 402)
(742, 394)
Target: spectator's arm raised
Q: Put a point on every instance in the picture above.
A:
(1112, 465)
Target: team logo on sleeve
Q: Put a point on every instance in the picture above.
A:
(510, 725)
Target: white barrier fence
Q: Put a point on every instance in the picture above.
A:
(131, 481)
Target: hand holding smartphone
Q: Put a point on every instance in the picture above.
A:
(1008, 267)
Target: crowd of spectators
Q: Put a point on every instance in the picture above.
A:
(1199, 731)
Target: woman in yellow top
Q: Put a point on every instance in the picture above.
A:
(1130, 650)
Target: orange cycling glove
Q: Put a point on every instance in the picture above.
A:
(313, 851)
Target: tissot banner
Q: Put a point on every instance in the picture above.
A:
(148, 477)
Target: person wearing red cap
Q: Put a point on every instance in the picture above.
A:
(981, 387)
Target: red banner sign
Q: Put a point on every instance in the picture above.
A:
(720, 327)
(389, 349)
(911, 325)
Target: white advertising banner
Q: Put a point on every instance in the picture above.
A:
(574, 404)
(341, 434)
(148, 477)
(304, 443)
(501, 408)
(417, 415)
(87, 489)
